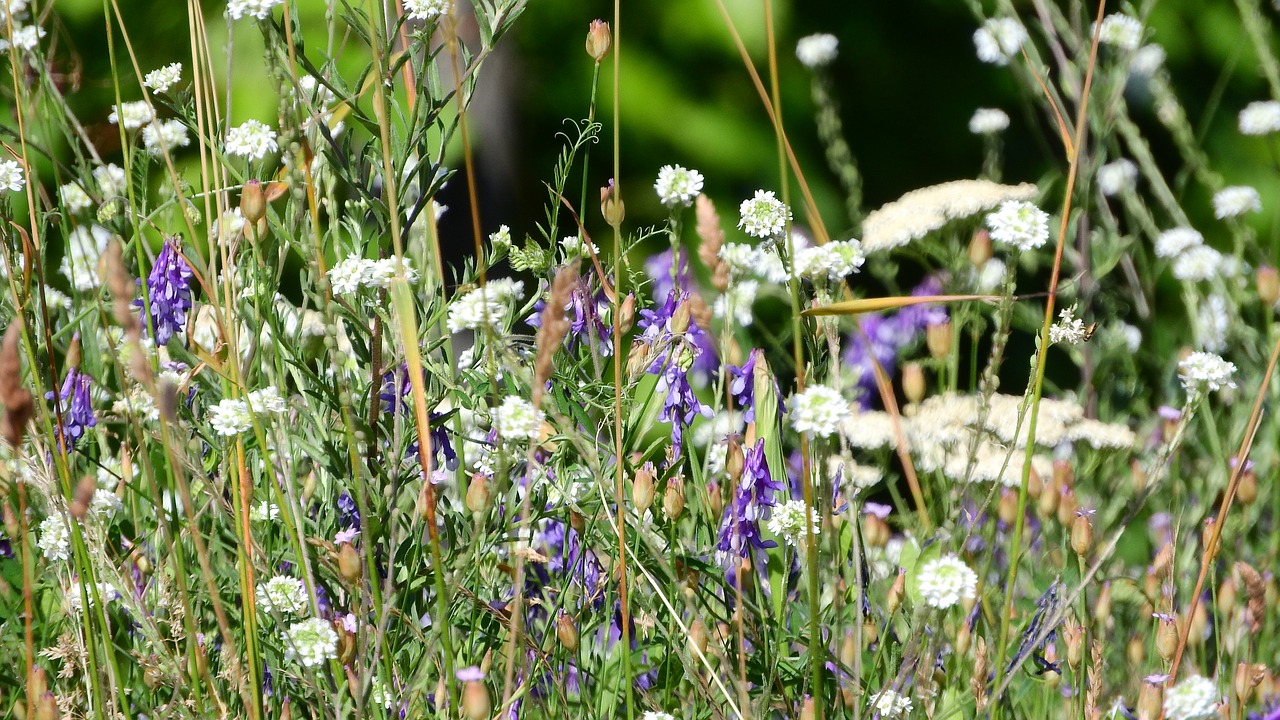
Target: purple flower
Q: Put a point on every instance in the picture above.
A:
(675, 354)
(660, 271)
(77, 407)
(743, 387)
(168, 292)
(681, 404)
(587, 312)
(469, 674)
(740, 527)
(395, 389)
(350, 515)
(880, 511)
(346, 535)
(883, 337)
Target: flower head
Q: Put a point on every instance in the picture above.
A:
(1202, 370)
(988, 121)
(168, 292)
(12, 178)
(999, 39)
(74, 198)
(230, 417)
(1147, 60)
(76, 405)
(311, 642)
(817, 50)
(427, 9)
(1198, 263)
(161, 79)
(284, 595)
(1117, 176)
(788, 522)
(1260, 118)
(946, 581)
(677, 186)
(111, 179)
(1193, 698)
(831, 262)
(253, 140)
(1121, 31)
(516, 419)
(1020, 224)
(165, 135)
(1172, 243)
(257, 9)
(501, 240)
(132, 115)
(55, 540)
(484, 306)
(891, 704)
(819, 410)
(753, 501)
(1235, 201)
(1069, 329)
(763, 216)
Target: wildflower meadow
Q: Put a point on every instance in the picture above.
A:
(276, 445)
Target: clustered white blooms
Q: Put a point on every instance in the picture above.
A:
(946, 581)
(501, 240)
(1193, 698)
(819, 410)
(11, 177)
(232, 417)
(111, 179)
(427, 9)
(1206, 371)
(165, 135)
(311, 642)
(264, 511)
(1235, 201)
(999, 40)
(25, 37)
(80, 261)
(787, 521)
(161, 79)
(922, 211)
(106, 592)
(1069, 328)
(1172, 243)
(738, 300)
(677, 186)
(1121, 30)
(1117, 176)
(74, 198)
(132, 115)
(831, 262)
(484, 306)
(988, 121)
(284, 595)
(763, 216)
(817, 50)
(266, 400)
(655, 715)
(55, 538)
(1198, 263)
(517, 419)
(890, 703)
(257, 9)
(1147, 61)
(252, 139)
(137, 403)
(1019, 224)
(1260, 118)
(355, 272)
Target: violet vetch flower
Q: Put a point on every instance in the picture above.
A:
(743, 387)
(350, 515)
(676, 353)
(659, 269)
(882, 337)
(168, 293)
(587, 311)
(740, 528)
(77, 407)
(395, 389)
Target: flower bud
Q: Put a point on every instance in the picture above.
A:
(642, 488)
(1138, 475)
(611, 206)
(1136, 651)
(896, 591)
(938, 338)
(1067, 505)
(1247, 487)
(1166, 637)
(253, 202)
(1073, 636)
(309, 487)
(627, 313)
(1051, 656)
(1048, 502)
(673, 498)
(1150, 701)
(1199, 625)
(980, 248)
(47, 707)
(638, 360)
(964, 637)
(143, 564)
(680, 318)
(1206, 532)
(11, 527)
(83, 497)
(807, 710)
(1102, 606)
(599, 40)
(698, 636)
(715, 503)
(478, 494)
(734, 461)
(1035, 485)
(567, 632)
(848, 650)
(1081, 535)
(1007, 510)
(1268, 283)
(577, 522)
(1227, 596)
(875, 532)
(913, 382)
(349, 563)
(475, 701)
(1063, 474)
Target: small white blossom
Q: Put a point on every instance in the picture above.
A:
(12, 178)
(258, 9)
(266, 400)
(788, 522)
(1197, 264)
(284, 595)
(819, 410)
(105, 504)
(655, 715)
(988, 121)
(889, 703)
(165, 135)
(999, 40)
(1193, 698)
(1206, 370)
(991, 275)
(85, 246)
(1260, 118)
(763, 216)
(111, 179)
(346, 276)
(1069, 329)
(739, 298)
(742, 259)
(573, 247)
(380, 273)
(817, 50)
(25, 37)
(831, 262)
(55, 539)
(1172, 243)
(1132, 337)
(74, 198)
(1121, 31)
(516, 419)
(1020, 224)
(1117, 176)
(230, 417)
(427, 9)
(311, 642)
(161, 79)
(252, 140)
(1235, 201)
(501, 240)
(133, 114)
(483, 306)
(1147, 61)
(946, 581)
(264, 511)
(677, 186)
(106, 592)
(139, 404)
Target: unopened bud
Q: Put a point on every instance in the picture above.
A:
(808, 711)
(1206, 532)
(475, 701)
(1067, 506)
(894, 598)
(1268, 283)
(964, 637)
(1138, 474)
(611, 206)
(638, 360)
(253, 202)
(1051, 657)
(1035, 485)
(913, 382)
(627, 313)
(567, 632)
(1227, 596)
(642, 488)
(734, 461)
(698, 636)
(1048, 502)
(680, 318)
(47, 707)
(673, 498)
(1081, 535)
(980, 248)
(11, 527)
(349, 562)
(1199, 625)
(1136, 652)
(599, 40)
(938, 338)
(478, 494)
(875, 532)
(1150, 701)
(1247, 488)
(143, 563)
(715, 503)
(1073, 636)
(309, 487)
(1102, 606)
(1007, 510)
(849, 650)
(1166, 637)
(83, 497)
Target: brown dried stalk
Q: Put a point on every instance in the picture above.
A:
(554, 328)
(712, 236)
(18, 402)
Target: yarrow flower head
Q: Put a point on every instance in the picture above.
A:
(427, 9)
(74, 198)
(111, 179)
(891, 704)
(988, 121)
(819, 410)
(516, 419)
(1121, 31)
(132, 115)
(1235, 201)
(1147, 61)
(817, 50)
(165, 135)
(999, 39)
(168, 292)
(1194, 698)
(77, 407)
(1069, 329)
(230, 417)
(655, 715)
(266, 400)
(55, 539)
(946, 581)
(677, 186)
(1260, 118)
(831, 262)
(12, 178)
(1206, 371)
(253, 140)
(284, 595)
(1117, 176)
(161, 79)
(311, 642)
(763, 216)
(257, 9)
(787, 521)
(1020, 224)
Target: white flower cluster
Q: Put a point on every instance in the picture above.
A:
(763, 216)
(788, 522)
(738, 300)
(484, 306)
(1194, 698)
(946, 581)
(1260, 118)
(655, 715)
(111, 179)
(677, 186)
(348, 276)
(1020, 224)
(1147, 61)
(283, 595)
(257, 9)
(137, 403)
(1172, 243)
(999, 40)
(890, 703)
(1069, 328)
(516, 419)
(132, 115)
(1235, 201)
(817, 50)
(831, 262)
(988, 121)
(161, 79)
(12, 178)
(1206, 371)
(1121, 31)
(106, 592)
(232, 417)
(922, 211)
(819, 410)
(74, 198)
(55, 538)
(165, 135)
(427, 9)
(311, 642)
(1117, 176)
(252, 139)
(501, 240)
(25, 37)
(85, 246)
(1198, 263)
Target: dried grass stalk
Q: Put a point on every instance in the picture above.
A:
(554, 328)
